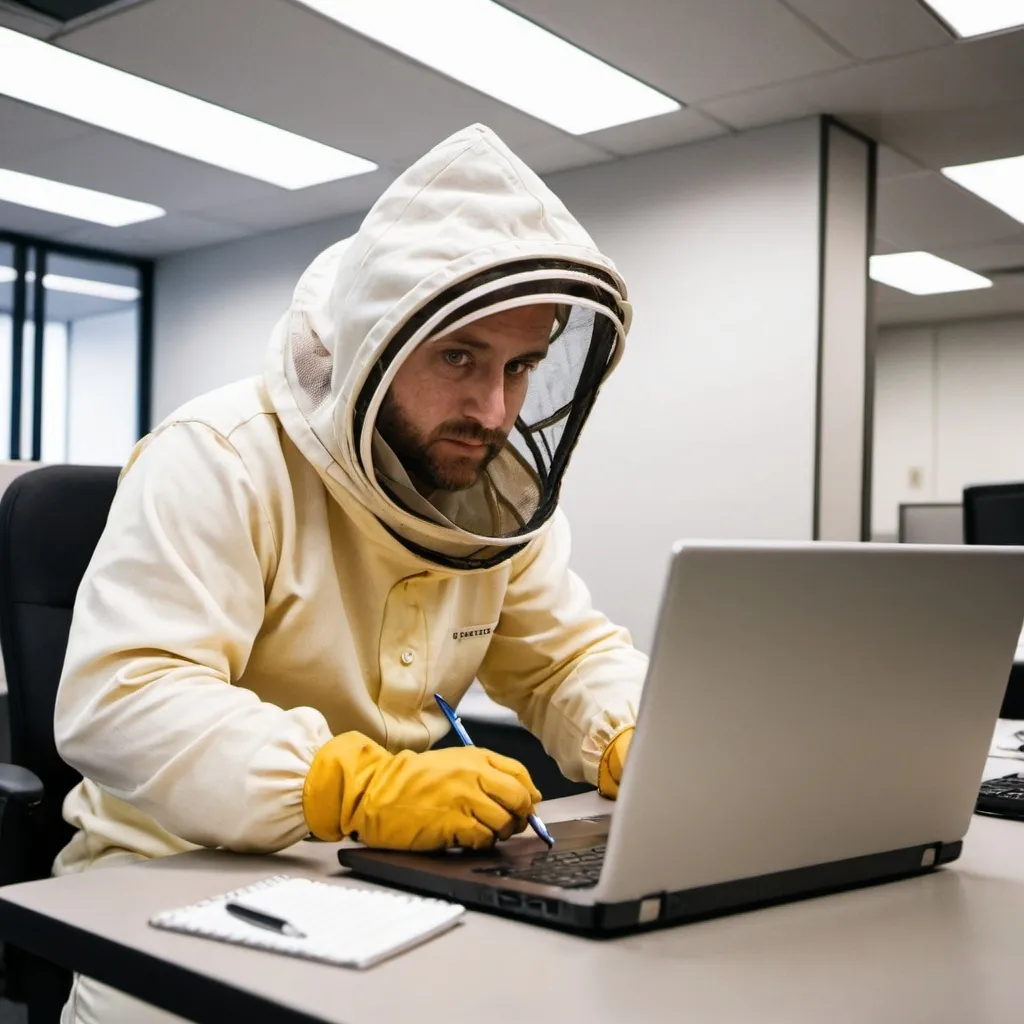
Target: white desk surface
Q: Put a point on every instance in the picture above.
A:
(943, 948)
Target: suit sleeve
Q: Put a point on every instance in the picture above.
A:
(572, 677)
(163, 626)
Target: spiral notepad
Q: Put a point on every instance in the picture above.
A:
(348, 927)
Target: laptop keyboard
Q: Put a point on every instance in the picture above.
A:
(566, 869)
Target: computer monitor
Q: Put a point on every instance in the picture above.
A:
(994, 514)
(931, 523)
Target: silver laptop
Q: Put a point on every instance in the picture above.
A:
(815, 717)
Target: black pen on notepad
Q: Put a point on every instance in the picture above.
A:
(262, 920)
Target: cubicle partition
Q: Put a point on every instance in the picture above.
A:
(931, 523)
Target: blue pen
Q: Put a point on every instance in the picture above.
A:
(536, 824)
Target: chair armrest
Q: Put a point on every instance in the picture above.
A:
(20, 785)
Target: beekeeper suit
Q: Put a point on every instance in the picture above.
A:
(295, 564)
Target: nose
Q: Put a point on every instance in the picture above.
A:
(487, 404)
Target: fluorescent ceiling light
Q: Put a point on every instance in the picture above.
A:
(46, 76)
(82, 286)
(77, 285)
(979, 17)
(492, 49)
(999, 182)
(73, 201)
(921, 273)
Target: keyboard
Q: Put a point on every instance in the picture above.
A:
(566, 869)
(1003, 796)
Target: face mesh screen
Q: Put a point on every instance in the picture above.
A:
(517, 491)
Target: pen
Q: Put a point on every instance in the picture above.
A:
(536, 824)
(261, 920)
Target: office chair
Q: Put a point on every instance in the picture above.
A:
(994, 514)
(50, 522)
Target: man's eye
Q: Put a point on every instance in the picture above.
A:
(517, 368)
(456, 357)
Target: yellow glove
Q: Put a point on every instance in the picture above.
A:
(613, 760)
(461, 796)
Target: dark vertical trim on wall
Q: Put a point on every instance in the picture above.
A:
(145, 387)
(39, 317)
(69, 330)
(824, 127)
(17, 336)
(870, 346)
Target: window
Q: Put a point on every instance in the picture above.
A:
(75, 340)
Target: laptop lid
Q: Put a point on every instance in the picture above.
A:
(808, 703)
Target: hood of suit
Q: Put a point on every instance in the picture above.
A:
(467, 231)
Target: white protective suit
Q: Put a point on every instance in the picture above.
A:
(258, 591)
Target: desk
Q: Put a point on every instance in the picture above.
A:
(946, 947)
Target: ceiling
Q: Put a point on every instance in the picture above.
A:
(886, 67)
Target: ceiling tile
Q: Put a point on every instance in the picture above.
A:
(560, 154)
(28, 23)
(870, 29)
(926, 211)
(992, 256)
(321, 202)
(301, 72)
(1005, 298)
(26, 130)
(883, 247)
(942, 138)
(119, 165)
(354, 195)
(762, 107)
(969, 75)
(674, 129)
(895, 165)
(691, 49)
(157, 237)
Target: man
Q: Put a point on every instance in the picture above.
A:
(295, 565)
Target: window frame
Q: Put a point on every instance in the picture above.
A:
(21, 245)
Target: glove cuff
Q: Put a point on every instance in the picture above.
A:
(337, 778)
(609, 771)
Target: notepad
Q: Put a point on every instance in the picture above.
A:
(343, 925)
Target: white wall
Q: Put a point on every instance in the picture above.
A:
(102, 388)
(706, 429)
(215, 307)
(949, 401)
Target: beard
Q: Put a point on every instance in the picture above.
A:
(426, 461)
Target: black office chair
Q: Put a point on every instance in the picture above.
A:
(994, 514)
(50, 522)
